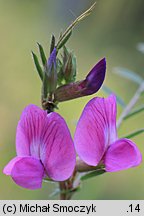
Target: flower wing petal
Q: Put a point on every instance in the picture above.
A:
(121, 155)
(28, 172)
(29, 131)
(7, 169)
(57, 151)
(96, 129)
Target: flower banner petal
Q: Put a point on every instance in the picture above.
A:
(96, 129)
(121, 155)
(28, 172)
(57, 149)
(29, 131)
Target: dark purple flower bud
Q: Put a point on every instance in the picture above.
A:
(52, 59)
(50, 78)
(95, 78)
(90, 85)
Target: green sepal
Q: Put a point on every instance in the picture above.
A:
(69, 66)
(48, 180)
(70, 69)
(93, 174)
(66, 53)
(42, 54)
(45, 87)
(73, 79)
(37, 65)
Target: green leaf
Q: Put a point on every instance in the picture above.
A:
(37, 65)
(129, 75)
(109, 91)
(93, 174)
(55, 193)
(52, 44)
(136, 111)
(135, 133)
(42, 54)
(63, 42)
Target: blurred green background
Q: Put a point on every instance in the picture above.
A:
(113, 30)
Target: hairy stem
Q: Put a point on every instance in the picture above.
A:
(131, 104)
(62, 186)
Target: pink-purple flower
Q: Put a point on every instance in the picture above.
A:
(96, 139)
(44, 148)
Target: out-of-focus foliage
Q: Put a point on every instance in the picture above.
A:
(114, 30)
